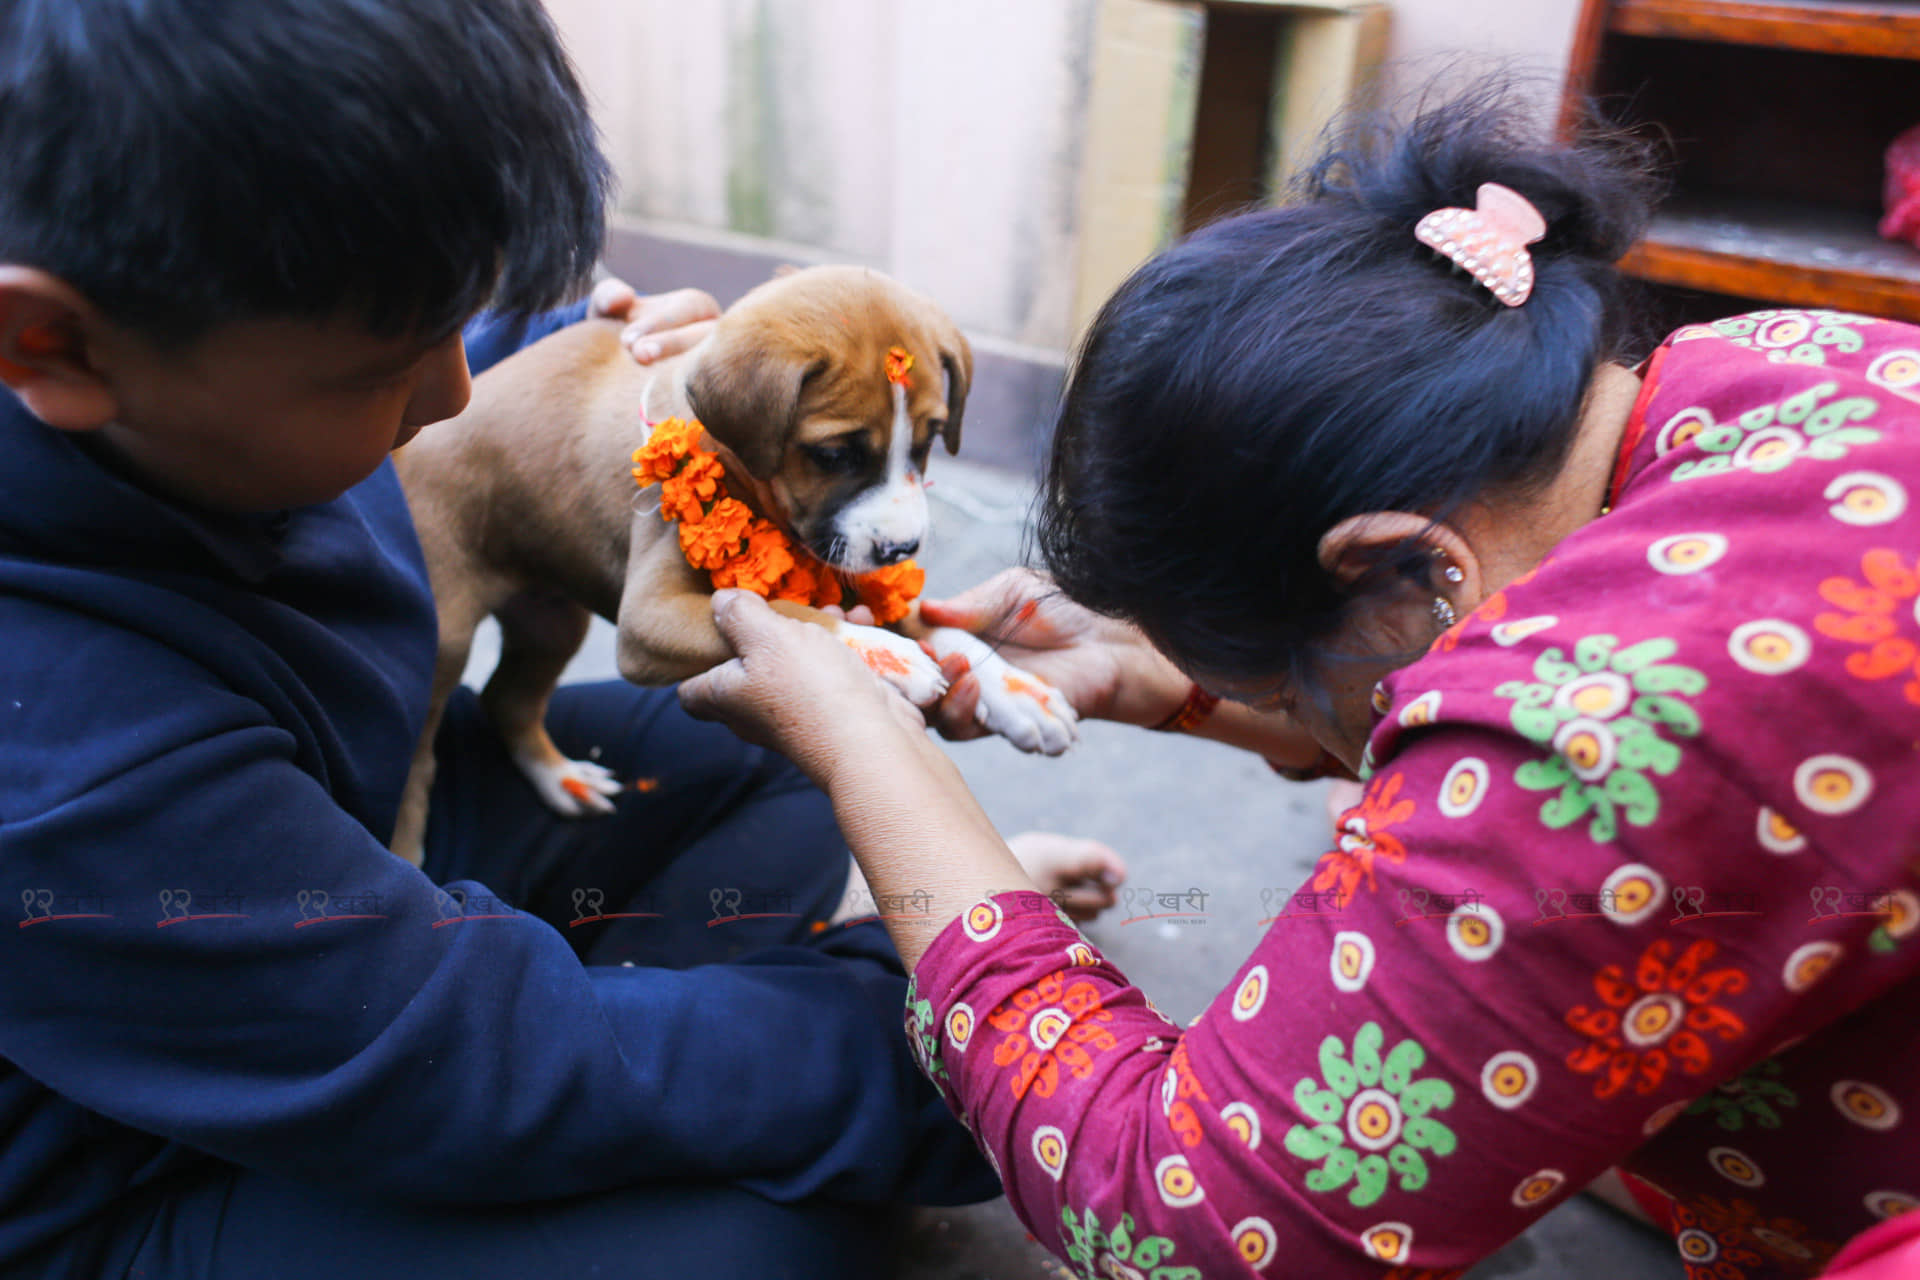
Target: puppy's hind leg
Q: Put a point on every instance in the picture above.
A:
(539, 634)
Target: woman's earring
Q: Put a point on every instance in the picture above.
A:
(1455, 574)
(1443, 612)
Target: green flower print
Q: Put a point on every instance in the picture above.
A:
(923, 1035)
(1603, 715)
(1375, 1104)
(1771, 437)
(1119, 1254)
(1758, 1095)
(1794, 337)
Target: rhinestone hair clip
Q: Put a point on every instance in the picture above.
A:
(1489, 241)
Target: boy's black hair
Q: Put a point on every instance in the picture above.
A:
(185, 163)
(1283, 370)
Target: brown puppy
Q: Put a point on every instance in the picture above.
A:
(527, 509)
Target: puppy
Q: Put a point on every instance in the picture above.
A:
(527, 509)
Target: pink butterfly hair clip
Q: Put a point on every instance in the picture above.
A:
(1490, 240)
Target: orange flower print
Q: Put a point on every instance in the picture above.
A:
(1489, 611)
(1182, 1089)
(1364, 839)
(1054, 1023)
(660, 456)
(1660, 1015)
(1720, 1240)
(1874, 617)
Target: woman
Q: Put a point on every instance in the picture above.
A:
(1626, 657)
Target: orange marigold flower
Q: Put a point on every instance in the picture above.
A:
(684, 497)
(890, 592)
(710, 542)
(661, 455)
(899, 365)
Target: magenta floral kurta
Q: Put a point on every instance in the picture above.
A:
(1633, 883)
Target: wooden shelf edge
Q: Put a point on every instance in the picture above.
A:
(1688, 267)
(1862, 28)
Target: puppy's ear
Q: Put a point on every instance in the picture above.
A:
(747, 396)
(956, 361)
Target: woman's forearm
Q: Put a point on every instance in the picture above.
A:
(1273, 734)
(926, 847)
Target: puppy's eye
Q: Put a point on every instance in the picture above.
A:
(837, 459)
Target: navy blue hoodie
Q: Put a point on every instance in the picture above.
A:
(205, 717)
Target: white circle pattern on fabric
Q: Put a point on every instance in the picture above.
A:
(982, 920)
(1243, 1122)
(1832, 784)
(1652, 1018)
(1509, 1079)
(1387, 1241)
(1177, 1183)
(960, 1025)
(1809, 963)
(1890, 1204)
(1464, 787)
(1680, 430)
(1697, 1247)
(1047, 1026)
(1537, 1187)
(1687, 552)
(1768, 444)
(1866, 498)
(1509, 634)
(1895, 370)
(1769, 646)
(1736, 1167)
(1050, 1150)
(1663, 1117)
(1902, 913)
(1423, 710)
(1632, 893)
(1475, 931)
(1589, 748)
(1867, 1105)
(1254, 1240)
(1777, 835)
(1251, 993)
(1600, 696)
(1352, 960)
(1781, 1242)
(1374, 1120)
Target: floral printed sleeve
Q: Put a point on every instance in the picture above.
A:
(1633, 883)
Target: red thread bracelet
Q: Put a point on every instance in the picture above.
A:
(1198, 706)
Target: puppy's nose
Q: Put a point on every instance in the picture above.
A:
(894, 552)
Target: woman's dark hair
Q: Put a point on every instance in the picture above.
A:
(185, 163)
(1282, 370)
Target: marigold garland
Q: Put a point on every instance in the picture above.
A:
(721, 535)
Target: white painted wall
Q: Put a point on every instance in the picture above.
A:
(938, 140)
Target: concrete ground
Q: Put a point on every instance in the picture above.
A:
(1186, 814)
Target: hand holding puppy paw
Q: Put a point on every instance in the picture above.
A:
(802, 690)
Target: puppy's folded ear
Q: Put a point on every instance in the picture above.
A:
(956, 361)
(747, 396)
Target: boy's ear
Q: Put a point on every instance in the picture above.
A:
(45, 327)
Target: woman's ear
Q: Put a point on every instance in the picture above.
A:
(1455, 584)
(44, 351)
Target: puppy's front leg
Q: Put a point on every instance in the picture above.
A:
(667, 633)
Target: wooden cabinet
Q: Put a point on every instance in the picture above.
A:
(1777, 115)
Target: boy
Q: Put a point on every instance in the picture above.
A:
(238, 240)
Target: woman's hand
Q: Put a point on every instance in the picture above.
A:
(799, 690)
(658, 325)
(1106, 669)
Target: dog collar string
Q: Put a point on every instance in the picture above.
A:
(736, 548)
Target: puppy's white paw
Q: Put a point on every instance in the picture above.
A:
(571, 788)
(897, 660)
(1016, 704)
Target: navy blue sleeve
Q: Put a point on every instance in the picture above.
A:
(435, 1049)
(492, 336)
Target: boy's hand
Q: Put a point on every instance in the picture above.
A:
(658, 325)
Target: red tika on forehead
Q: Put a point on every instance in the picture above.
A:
(899, 365)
